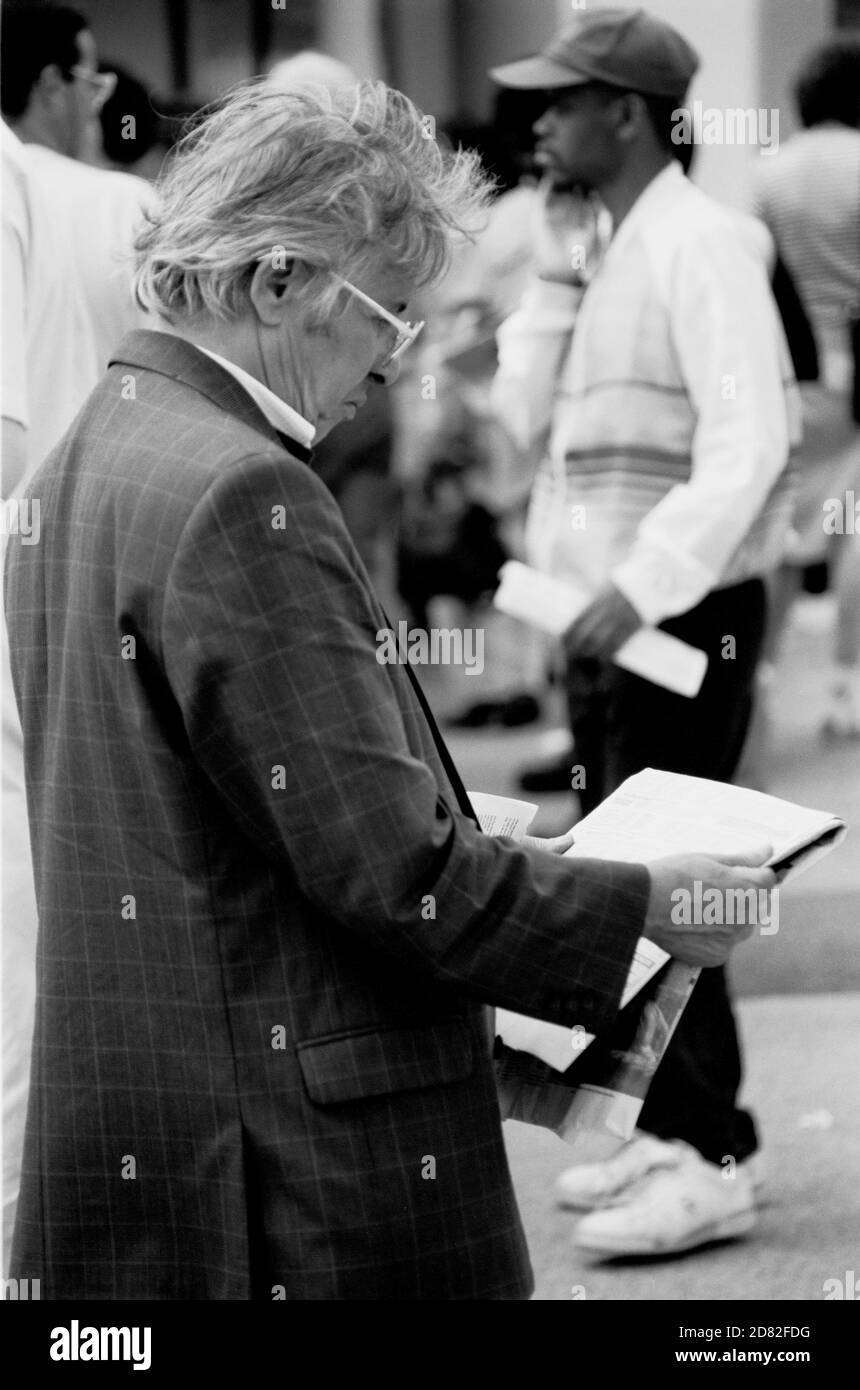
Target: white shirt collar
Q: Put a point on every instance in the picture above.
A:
(276, 411)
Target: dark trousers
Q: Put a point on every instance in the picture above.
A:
(622, 724)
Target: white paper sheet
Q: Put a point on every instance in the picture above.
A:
(502, 815)
(657, 813)
(552, 606)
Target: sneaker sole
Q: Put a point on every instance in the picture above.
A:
(732, 1226)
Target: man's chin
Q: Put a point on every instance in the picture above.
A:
(565, 182)
(324, 426)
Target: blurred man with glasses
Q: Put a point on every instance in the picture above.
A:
(51, 94)
(66, 301)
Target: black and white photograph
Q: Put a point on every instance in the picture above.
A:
(430, 667)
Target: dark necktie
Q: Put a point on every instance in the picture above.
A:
(441, 748)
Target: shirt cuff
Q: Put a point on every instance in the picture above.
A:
(659, 584)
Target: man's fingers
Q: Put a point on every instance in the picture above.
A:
(557, 844)
(560, 844)
(762, 878)
(753, 858)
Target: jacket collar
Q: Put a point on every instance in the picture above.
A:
(662, 192)
(179, 360)
(285, 419)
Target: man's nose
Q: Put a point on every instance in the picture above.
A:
(387, 375)
(543, 123)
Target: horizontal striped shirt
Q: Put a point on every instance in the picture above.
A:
(670, 405)
(809, 196)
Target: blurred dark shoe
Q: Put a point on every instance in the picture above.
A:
(476, 716)
(554, 776)
(520, 709)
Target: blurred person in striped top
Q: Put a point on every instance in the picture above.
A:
(657, 371)
(809, 196)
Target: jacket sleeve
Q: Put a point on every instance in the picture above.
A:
(270, 645)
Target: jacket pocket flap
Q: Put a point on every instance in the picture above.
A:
(380, 1061)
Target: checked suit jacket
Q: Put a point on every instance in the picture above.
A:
(269, 929)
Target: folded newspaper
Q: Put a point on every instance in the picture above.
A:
(590, 1092)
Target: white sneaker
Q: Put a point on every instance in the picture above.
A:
(590, 1185)
(671, 1210)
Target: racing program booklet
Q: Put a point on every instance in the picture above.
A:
(591, 1093)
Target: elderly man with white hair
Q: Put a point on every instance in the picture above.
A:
(270, 925)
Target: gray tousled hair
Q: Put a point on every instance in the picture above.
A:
(341, 180)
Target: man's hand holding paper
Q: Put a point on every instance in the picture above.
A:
(703, 944)
(603, 626)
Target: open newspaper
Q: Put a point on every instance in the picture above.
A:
(590, 1092)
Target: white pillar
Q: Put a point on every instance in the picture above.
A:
(350, 31)
(420, 43)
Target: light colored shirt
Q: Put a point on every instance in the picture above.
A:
(49, 354)
(667, 391)
(67, 249)
(276, 411)
(809, 196)
(67, 263)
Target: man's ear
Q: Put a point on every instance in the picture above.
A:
(273, 287)
(632, 116)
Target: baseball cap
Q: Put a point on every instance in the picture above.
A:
(625, 48)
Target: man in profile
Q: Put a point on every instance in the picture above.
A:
(660, 373)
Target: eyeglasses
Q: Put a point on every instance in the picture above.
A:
(406, 332)
(103, 84)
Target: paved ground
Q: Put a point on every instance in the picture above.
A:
(802, 1081)
(799, 1015)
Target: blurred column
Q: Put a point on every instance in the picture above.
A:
(419, 40)
(351, 32)
(492, 32)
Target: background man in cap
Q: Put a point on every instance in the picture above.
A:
(661, 389)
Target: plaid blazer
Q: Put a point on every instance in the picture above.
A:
(268, 933)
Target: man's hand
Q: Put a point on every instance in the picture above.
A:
(565, 231)
(558, 844)
(668, 925)
(603, 627)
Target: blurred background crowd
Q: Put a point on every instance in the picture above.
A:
(433, 487)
